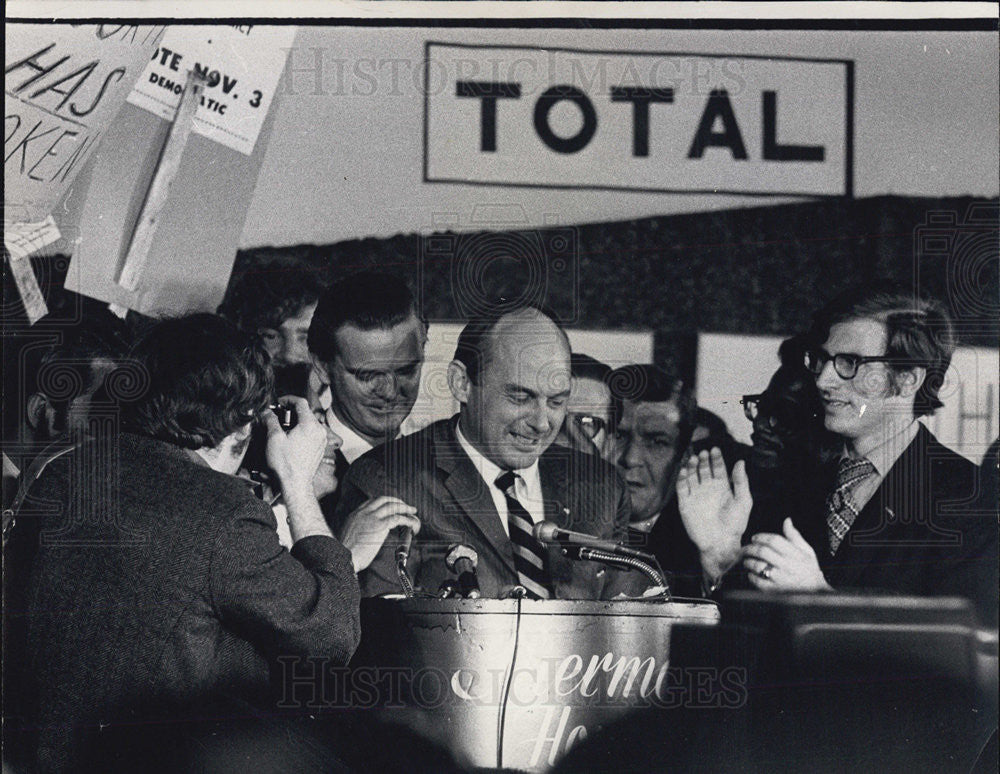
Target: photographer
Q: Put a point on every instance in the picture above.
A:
(156, 587)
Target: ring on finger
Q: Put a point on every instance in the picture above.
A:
(766, 572)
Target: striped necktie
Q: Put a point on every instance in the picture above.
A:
(529, 554)
(841, 510)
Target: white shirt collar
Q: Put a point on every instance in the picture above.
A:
(884, 455)
(527, 483)
(353, 444)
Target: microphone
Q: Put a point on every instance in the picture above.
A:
(462, 561)
(548, 532)
(403, 549)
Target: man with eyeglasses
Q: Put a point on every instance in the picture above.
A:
(587, 426)
(790, 442)
(901, 512)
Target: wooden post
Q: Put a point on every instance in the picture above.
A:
(159, 188)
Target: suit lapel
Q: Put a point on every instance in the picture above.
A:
(469, 492)
(553, 473)
(566, 507)
(884, 514)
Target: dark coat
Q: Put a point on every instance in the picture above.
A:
(930, 529)
(675, 552)
(157, 585)
(432, 472)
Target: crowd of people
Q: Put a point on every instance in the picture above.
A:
(169, 537)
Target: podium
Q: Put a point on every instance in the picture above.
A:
(516, 683)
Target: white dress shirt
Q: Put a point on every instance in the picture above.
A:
(527, 483)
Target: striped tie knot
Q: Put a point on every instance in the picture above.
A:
(505, 483)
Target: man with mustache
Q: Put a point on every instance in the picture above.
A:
(902, 512)
(485, 476)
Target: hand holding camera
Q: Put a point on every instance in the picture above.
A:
(296, 442)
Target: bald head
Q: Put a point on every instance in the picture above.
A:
(512, 376)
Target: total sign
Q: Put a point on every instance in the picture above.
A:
(696, 123)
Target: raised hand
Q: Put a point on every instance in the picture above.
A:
(714, 513)
(294, 456)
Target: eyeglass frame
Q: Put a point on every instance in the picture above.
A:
(590, 422)
(827, 357)
(774, 421)
(751, 400)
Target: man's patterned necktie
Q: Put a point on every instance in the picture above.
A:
(529, 554)
(841, 510)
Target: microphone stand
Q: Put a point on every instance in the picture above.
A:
(618, 560)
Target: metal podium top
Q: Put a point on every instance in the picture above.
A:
(688, 610)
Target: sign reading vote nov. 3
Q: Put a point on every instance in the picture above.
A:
(241, 66)
(699, 123)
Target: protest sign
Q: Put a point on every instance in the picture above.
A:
(63, 86)
(241, 66)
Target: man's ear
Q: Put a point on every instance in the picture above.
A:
(458, 381)
(910, 380)
(35, 410)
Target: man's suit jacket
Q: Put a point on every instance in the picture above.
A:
(676, 553)
(929, 530)
(156, 585)
(430, 471)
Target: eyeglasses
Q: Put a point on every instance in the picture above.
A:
(590, 424)
(751, 405)
(844, 363)
(777, 414)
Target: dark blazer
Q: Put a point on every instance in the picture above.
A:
(158, 585)
(677, 554)
(929, 530)
(432, 472)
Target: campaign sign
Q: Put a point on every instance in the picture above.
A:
(631, 120)
(63, 85)
(241, 66)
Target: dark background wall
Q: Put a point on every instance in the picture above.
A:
(757, 271)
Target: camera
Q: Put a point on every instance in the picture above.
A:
(286, 415)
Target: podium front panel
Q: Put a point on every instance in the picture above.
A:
(516, 683)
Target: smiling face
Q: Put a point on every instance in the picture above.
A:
(863, 408)
(646, 446)
(375, 375)
(515, 411)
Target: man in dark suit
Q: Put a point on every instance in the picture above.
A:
(654, 414)
(901, 512)
(155, 584)
(483, 477)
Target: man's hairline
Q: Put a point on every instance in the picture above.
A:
(378, 327)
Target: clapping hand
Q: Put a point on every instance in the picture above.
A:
(783, 562)
(714, 513)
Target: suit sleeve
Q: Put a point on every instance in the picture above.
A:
(971, 569)
(357, 488)
(304, 603)
(631, 583)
